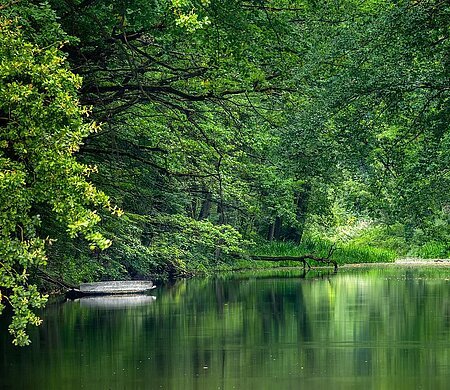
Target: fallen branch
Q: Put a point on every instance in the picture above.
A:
(302, 258)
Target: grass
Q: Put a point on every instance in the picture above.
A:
(432, 250)
(344, 254)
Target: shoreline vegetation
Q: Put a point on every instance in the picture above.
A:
(347, 255)
(259, 268)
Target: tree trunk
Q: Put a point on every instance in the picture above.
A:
(277, 228)
(295, 233)
(271, 232)
(205, 210)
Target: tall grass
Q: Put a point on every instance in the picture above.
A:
(347, 253)
(432, 250)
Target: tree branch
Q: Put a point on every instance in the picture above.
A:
(144, 161)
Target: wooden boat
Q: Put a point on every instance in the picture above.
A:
(113, 287)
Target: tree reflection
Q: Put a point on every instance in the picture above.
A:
(378, 328)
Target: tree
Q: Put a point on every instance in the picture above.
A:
(191, 122)
(378, 83)
(41, 127)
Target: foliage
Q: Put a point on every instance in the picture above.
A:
(191, 136)
(385, 106)
(171, 246)
(431, 250)
(274, 118)
(41, 127)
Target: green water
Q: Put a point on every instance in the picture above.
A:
(364, 329)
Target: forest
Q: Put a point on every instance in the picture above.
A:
(161, 139)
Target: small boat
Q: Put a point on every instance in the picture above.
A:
(113, 287)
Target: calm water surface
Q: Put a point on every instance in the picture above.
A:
(361, 329)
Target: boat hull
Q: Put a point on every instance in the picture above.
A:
(113, 288)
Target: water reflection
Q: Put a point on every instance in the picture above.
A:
(373, 328)
(110, 302)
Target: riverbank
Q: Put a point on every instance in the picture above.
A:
(407, 262)
(347, 253)
(256, 266)
(423, 262)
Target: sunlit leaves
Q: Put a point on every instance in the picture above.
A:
(41, 125)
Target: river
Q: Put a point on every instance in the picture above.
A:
(369, 328)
